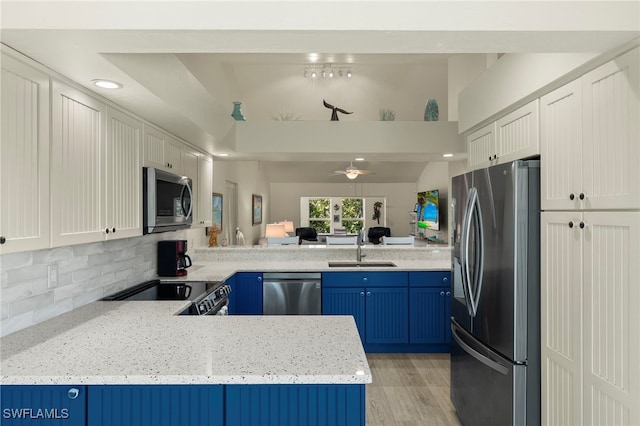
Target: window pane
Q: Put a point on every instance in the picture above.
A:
(352, 226)
(321, 226)
(352, 208)
(319, 208)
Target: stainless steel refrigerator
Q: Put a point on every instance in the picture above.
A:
(495, 308)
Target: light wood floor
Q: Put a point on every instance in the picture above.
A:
(409, 389)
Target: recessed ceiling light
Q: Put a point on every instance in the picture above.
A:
(107, 84)
(222, 154)
(447, 155)
(313, 57)
(359, 159)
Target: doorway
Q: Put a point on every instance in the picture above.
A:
(230, 207)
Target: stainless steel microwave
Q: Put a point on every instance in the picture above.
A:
(167, 201)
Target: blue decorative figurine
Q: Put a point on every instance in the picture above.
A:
(237, 114)
(431, 110)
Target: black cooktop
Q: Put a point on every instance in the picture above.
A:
(166, 290)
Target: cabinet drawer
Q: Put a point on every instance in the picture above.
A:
(430, 279)
(365, 279)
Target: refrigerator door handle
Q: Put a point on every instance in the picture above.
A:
(472, 281)
(478, 252)
(464, 253)
(486, 357)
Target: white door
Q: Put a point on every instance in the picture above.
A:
(561, 148)
(205, 182)
(77, 177)
(561, 318)
(611, 138)
(481, 147)
(517, 134)
(24, 158)
(123, 174)
(611, 318)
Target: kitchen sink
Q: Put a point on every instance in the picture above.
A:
(361, 264)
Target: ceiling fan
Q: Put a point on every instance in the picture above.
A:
(352, 172)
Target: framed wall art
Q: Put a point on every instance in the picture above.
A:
(256, 203)
(216, 207)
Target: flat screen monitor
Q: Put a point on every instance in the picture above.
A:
(428, 211)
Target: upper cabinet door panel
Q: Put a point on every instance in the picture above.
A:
(481, 147)
(611, 153)
(77, 177)
(123, 169)
(561, 148)
(24, 158)
(517, 133)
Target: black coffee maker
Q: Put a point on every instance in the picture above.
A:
(172, 258)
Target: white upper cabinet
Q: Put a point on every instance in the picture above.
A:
(512, 137)
(611, 139)
(77, 175)
(24, 158)
(561, 148)
(481, 147)
(205, 189)
(123, 176)
(161, 151)
(590, 140)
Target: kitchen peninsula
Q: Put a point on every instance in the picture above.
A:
(109, 362)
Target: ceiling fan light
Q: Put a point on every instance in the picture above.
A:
(352, 174)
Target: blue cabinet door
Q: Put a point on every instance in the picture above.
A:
(427, 312)
(248, 293)
(345, 301)
(155, 405)
(43, 405)
(387, 319)
(295, 405)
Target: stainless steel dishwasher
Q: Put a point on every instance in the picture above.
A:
(291, 293)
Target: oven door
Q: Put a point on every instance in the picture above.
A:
(167, 201)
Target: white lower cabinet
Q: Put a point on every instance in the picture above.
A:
(590, 324)
(24, 158)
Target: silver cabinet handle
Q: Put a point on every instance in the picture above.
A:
(73, 393)
(368, 293)
(362, 293)
(442, 293)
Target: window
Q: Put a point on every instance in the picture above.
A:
(352, 215)
(328, 214)
(320, 215)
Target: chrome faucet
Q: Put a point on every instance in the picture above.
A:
(359, 254)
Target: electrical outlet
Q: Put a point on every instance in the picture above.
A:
(52, 275)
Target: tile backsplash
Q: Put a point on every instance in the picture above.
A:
(38, 285)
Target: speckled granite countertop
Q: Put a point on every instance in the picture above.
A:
(221, 262)
(144, 343)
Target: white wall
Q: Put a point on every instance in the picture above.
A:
(400, 199)
(463, 69)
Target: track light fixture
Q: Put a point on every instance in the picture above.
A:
(327, 71)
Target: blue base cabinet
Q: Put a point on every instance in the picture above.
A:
(246, 293)
(377, 300)
(430, 308)
(43, 405)
(155, 405)
(295, 405)
(394, 311)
